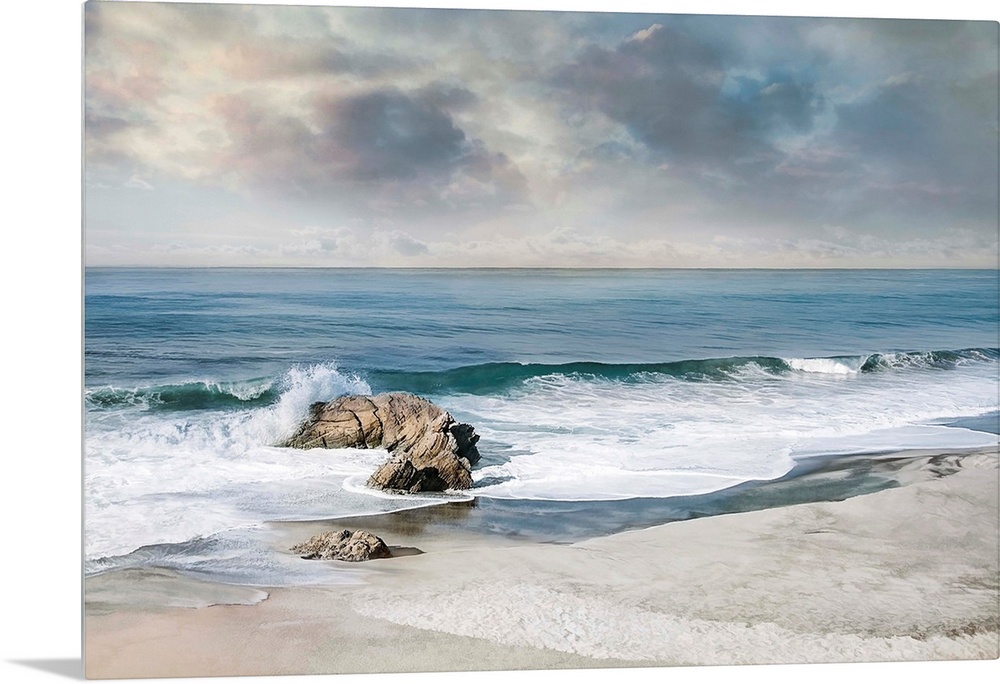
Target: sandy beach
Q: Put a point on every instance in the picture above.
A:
(908, 573)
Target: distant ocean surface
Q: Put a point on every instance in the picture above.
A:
(586, 386)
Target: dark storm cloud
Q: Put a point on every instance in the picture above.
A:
(387, 140)
(767, 116)
(775, 102)
(454, 98)
(671, 92)
(389, 134)
(922, 151)
(920, 126)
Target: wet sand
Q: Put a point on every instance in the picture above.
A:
(908, 573)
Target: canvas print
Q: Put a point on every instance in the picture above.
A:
(434, 340)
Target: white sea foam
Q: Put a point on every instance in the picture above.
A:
(302, 386)
(922, 437)
(839, 366)
(356, 484)
(154, 478)
(586, 439)
(244, 391)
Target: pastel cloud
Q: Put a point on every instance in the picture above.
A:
(448, 137)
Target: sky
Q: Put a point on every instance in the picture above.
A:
(250, 135)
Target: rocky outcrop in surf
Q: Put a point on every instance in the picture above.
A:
(345, 545)
(430, 450)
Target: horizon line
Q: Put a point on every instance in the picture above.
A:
(555, 268)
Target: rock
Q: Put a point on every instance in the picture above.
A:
(429, 450)
(344, 546)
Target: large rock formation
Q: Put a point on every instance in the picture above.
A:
(430, 450)
(344, 546)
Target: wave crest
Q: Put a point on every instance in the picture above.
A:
(304, 385)
(195, 395)
(491, 378)
(944, 360)
(318, 382)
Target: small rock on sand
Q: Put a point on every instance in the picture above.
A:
(344, 546)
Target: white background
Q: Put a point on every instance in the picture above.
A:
(41, 338)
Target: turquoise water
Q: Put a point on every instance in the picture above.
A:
(234, 324)
(586, 386)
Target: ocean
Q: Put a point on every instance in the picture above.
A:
(606, 399)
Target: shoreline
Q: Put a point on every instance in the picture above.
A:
(816, 479)
(905, 573)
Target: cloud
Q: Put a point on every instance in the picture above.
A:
(391, 134)
(671, 90)
(779, 126)
(407, 245)
(353, 247)
(384, 145)
(921, 132)
(284, 57)
(138, 183)
(645, 33)
(273, 101)
(439, 138)
(564, 246)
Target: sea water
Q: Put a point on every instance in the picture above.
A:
(602, 386)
